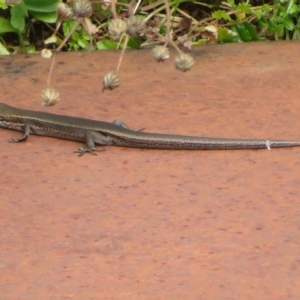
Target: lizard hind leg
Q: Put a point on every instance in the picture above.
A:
(124, 125)
(81, 151)
(27, 130)
(92, 138)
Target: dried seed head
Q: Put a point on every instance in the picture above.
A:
(88, 26)
(111, 81)
(160, 53)
(211, 32)
(64, 12)
(135, 26)
(49, 97)
(82, 8)
(183, 62)
(46, 53)
(116, 28)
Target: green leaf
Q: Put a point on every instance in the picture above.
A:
(133, 43)
(243, 33)
(231, 2)
(103, 13)
(73, 45)
(292, 7)
(252, 30)
(41, 5)
(276, 28)
(49, 17)
(200, 42)
(288, 24)
(263, 22)
(75, 36)
(221, 14)
(5, 26)
(3, 4)
(278, 19)
(296, 34)
(266, 8)
(162, 30)
(245, 7)
(225, 36)
(82, 43)
(3, 50)
(258, 14)
(67, 26)
(85, 36)
(18, 14)
(106, 44)
(30, 49)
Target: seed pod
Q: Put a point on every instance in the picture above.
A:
(116, 28)
(64, 12)
(49, 97)
(82, 8)
(88, 26)
(160, 53)
(183, 62)
(135, 26)
(111, 81)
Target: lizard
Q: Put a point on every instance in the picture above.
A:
(93, 133)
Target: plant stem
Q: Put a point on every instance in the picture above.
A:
(123, 51)
(51, 68)
(69, 35)
(22, 41)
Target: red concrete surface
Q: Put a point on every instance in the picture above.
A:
(155, 224)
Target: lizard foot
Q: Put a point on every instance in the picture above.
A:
(81, 151)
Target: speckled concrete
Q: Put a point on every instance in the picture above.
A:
(155, 224)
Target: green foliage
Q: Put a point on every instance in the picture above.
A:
(3, 50)
(18, 14)
(41, 10)
(6, 26)
(3, 4)
(107, 44)
(226, 36)
(104, 13)
(279, 19)
(79, 39)
(234, 20)
(221, 14)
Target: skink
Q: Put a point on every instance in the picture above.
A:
(117, 133)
